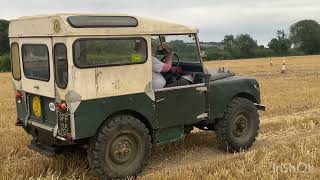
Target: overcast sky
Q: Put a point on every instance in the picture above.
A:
(214, 18)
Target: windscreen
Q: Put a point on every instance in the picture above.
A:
(185, 46)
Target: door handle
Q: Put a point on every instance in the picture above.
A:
(160, 100)
(36, 87)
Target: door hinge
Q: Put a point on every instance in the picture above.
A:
(202, 116)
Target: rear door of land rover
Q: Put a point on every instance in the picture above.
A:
(37, 65)
(37, 80)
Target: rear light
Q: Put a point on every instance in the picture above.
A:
(19, 122)
(19, 95)
(69, 137)
(62, 106)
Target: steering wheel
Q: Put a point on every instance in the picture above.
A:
(164, 52)
(176, 55)
(172, 74)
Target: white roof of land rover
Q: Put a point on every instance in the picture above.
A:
(59, 25)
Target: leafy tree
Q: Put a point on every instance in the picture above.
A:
(5, 64)
(4, 40)
(246, 44)
(306, 36)
(228, 42)
(281, 44)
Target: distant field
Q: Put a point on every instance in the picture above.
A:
(289, 134)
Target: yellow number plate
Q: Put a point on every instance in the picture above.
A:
(36, 106)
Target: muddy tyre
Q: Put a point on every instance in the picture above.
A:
(239, 127)
(120, 149)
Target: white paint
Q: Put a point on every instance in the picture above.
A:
(43, 26)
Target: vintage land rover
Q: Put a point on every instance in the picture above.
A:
(85, 80)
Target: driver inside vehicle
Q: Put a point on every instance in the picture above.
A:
(161, 67)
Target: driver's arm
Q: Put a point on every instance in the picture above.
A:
(168, 64)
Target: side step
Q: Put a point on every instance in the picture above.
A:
(43, 149)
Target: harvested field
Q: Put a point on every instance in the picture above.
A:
(288, 146)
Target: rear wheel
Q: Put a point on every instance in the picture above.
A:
(120, 149)
(239, 127)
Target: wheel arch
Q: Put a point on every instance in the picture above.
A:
(132, 113)
(246, 96)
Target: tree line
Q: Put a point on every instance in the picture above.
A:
(303, 38)
(4, 46)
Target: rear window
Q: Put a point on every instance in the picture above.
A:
(109, 52)
(15, 61)
(61, 65)
(35, 58)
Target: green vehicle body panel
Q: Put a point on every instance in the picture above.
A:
(47, 117)
(179, 107)
(92, 113)
(221, 92)
(167, 135)
(166, 117)
(172, 110)
(21, 110)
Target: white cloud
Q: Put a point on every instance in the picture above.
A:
(214, 18)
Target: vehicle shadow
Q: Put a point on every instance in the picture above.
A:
(197, 144)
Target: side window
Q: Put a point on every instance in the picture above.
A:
(109, 52)
(61, 65)
(35, 58)
(15, 61)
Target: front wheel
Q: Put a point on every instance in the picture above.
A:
(239, 127)
(120, 149)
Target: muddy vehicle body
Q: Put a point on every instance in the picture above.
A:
(86, 80)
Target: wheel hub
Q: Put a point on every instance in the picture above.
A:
(240, 126)
(122, 149)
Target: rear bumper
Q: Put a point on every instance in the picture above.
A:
(44, 142)
(43, 149)
(260, 107)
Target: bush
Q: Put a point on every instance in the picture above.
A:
(296, 52)
(217, 54)
(259, 52)
(4, 40)
(5, 64)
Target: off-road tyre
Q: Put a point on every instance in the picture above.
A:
(120, 149)
(239, 127)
